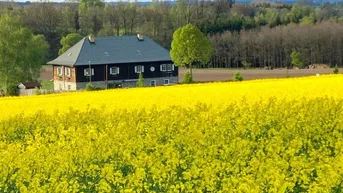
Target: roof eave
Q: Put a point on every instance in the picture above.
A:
(60, 63)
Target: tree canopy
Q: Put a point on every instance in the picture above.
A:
(68, 41)
(21, 53)
(296, 59)
(190, 47)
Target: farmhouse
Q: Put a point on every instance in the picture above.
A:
(112, 62)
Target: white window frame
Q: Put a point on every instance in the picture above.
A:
(164, 82)
(86, 72)
(170, 66)
(139, 69)
(115, 72)
(67, 72)
(153, 81)
(164, 67)
(60, 71)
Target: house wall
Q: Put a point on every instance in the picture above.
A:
(64, 85)
(62, 82)
(126, 77)
(128, 82)
(126, 71)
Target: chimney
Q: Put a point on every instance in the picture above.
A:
(91, 38)
(140, 37)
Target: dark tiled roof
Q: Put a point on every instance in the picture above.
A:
(113, 50)
(29, 85)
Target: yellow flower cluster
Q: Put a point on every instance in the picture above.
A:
(281, 135)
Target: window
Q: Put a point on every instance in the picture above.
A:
(114, 70)
(59, 71)
(87, 72)
(139, 69)
(67, 72)
(69, 87)
(166, 81)
(167, 67)
(153, 83)
(163, 67)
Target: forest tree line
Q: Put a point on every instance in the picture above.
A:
(272, 47)
(262, 33)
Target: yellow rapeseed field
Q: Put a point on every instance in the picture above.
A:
(183, 95)
(282, 135)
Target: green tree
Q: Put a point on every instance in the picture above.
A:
(296, 59)
(190, 47)
(336, 70)
(21, 53)
(68, 41)
(140, 82)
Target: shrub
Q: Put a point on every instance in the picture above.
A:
(11, 90)
(246, 65)
(336, 70)
(140, 82)
(238, 77)
(90, 87)
(188, 79)
(37, 91)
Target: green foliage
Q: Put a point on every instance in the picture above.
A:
(272, 17)
(21, 53)
(296, 58)
(11, 90)
(47, 84)
(311, 19)
(297, 13)
(246, 65)
(69, 41)
(90, 87)
(238, 77)
(336, 70)
(93, 3)
(190, 47)
(188, 79)
(37, 91)
(140, 82)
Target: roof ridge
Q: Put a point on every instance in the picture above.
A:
(78, 56)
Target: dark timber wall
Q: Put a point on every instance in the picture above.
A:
(126, 71)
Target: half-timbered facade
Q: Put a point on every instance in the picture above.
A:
(110, 62)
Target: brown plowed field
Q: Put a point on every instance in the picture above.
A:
(210, 75)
